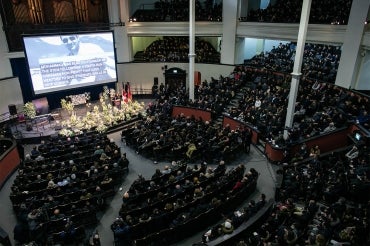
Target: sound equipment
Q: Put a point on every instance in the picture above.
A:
(155, 80)
(12, 109)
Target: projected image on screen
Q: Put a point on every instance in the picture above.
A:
(62, 62)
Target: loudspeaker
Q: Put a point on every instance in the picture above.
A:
(155, 80)
(12, 109)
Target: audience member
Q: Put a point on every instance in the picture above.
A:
(322, 12)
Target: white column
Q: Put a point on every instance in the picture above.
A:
(113, 11)
(120, 9)
(239, 50)
(242, 8)
(191, 48)
(229, 18)
(260, 47)
(296, 74)
(5, 67)
(348, 66)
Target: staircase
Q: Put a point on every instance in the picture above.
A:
(139, 57)
(260, 146)
(234, 101)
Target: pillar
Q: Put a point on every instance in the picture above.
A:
(239, 50)
(119, 15)
(260, 47)
(296, 74)
(229, 13)
(349, 60)
(191, 48)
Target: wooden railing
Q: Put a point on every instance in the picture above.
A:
(9, 161)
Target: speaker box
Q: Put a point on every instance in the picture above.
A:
(12, 109)
(155, 80)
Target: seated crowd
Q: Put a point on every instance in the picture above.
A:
(62, 184)
(320, 107)
(322, 12)
(64, 181)
(162, 137)
(176, 49)
(320, 62)
(174, 197)
(171, 11)
(213, 96)
(234, 219)
(323, 200)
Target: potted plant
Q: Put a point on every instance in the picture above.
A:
(30, 113)
(67, 105)
(29, 110)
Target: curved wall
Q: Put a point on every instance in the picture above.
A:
(141, 75)
(9, 161)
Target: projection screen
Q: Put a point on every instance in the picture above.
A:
(67, 61)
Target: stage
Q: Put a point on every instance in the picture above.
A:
(46, 125)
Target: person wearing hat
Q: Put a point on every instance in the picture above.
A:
(51, 184)
(144, 218)
(227, 227)
(104, 157)
(168, 207)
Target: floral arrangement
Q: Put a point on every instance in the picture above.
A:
(29, 110)
(67, 105)
(66, 132)
(105, 93)
(101, 116)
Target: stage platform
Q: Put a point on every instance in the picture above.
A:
(33, 130)
(44, 126)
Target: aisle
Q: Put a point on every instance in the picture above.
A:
(146, 168)
(139, 165)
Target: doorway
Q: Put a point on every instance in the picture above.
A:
(175, 78)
